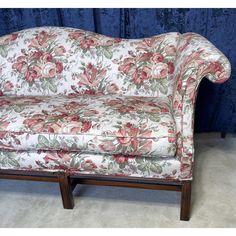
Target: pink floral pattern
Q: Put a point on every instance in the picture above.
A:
(86, 103)
(84, 163)
(5, 42)
(52, 60)
(101, 124)
(197, 58)
(42, 65)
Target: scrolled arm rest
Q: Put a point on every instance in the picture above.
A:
(196, 58)
(195, 54)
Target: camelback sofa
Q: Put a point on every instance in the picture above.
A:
(77, 107)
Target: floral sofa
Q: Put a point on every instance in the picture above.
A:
(80, 107)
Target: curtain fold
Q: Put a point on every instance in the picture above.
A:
(216, 105)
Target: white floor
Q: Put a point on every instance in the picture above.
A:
(34, 204)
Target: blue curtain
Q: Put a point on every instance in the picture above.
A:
(216, 105)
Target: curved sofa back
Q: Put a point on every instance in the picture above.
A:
(54, 60)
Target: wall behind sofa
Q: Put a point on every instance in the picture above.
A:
(216, 105)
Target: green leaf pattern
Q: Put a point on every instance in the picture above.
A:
(69, 61)
(94, 123)
(82, 163)
(65, 61)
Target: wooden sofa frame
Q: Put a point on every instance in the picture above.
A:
(68, 183)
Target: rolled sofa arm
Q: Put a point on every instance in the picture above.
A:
(196, 58)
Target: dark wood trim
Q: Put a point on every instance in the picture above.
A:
(53, 177)
(68, 183)
(185, 201)
(125, 179)
(30, 172)
(29, 178)
(58, 177)
(29, 175)
(66, 191)
(223, 134)
(156, 186)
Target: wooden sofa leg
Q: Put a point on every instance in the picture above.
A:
(185, 200)
(66, 191)
(223, 134)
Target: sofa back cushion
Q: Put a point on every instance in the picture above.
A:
(55, 60)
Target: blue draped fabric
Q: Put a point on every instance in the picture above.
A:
(216, 105)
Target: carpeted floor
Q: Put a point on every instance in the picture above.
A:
(34, 204)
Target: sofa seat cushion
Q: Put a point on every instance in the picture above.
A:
(97, 124)
(85, 163)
